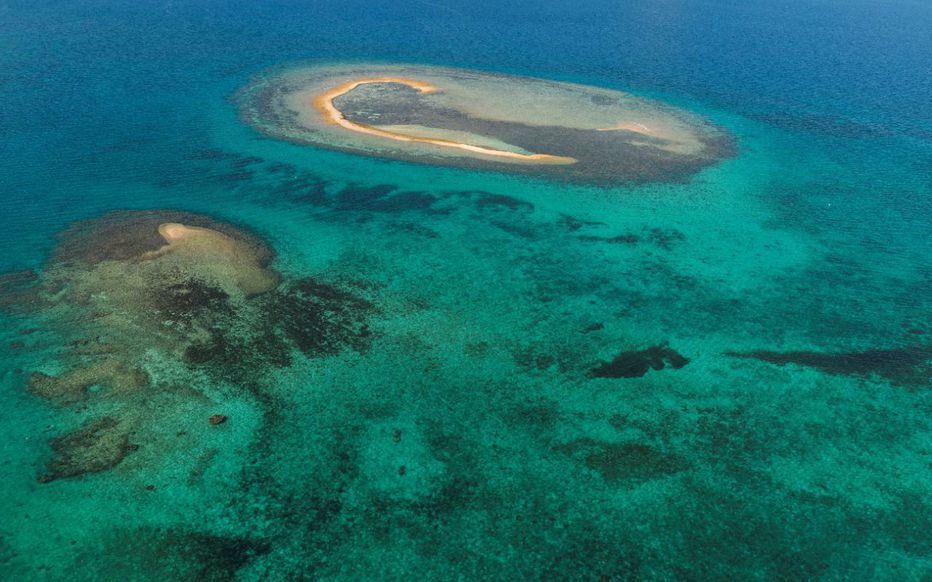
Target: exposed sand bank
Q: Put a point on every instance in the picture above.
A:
(324, 104)
(217, 255)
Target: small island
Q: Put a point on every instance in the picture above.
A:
(484, 121)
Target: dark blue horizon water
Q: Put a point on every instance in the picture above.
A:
(844, 70)
(808, 254)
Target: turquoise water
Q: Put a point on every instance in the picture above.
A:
(795, 278)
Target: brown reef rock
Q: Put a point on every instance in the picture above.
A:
(97, 446)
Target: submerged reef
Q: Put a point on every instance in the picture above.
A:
(910, 365)
(110, 375)
(176, 553)
(332, 427)
(636, 363)
(94, 447)
(154, 312)
(483, 120)
(623, 464)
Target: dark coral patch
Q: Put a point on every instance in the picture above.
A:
(176, 554)
(214, 349)
(531, 360)
(488, 200)
(92, 448)
(321, 319)
(636, 363)
(316, 318)
(524, 231)
(241, 359)
(572, 224)
(911, 365)
(625, 464)
(591, 557)
(190, 298)
(18, 279)
(218, 557)
(417, 230)
(627, 239)
(541, 415)
(18, 288)
(593, 327)
(665, 238)
(382, 198)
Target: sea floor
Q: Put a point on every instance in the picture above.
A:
(560, 382)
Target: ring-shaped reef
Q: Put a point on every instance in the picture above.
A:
(483, 120)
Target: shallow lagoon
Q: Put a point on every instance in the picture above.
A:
(722, 377)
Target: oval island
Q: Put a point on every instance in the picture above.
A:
(483, 120)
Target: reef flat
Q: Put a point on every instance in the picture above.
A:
(483, 120)
(155, 314)
(259, 415)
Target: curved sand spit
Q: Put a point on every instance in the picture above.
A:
(324, 104)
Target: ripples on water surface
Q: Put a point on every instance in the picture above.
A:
(465, 374)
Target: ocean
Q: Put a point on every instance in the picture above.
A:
(463, 373)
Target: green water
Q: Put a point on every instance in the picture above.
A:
(468, 437)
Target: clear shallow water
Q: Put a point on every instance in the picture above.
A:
(490, 290)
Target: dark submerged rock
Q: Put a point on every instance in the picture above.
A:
(628, 239)
(665, 238)
(487, 200)
(18, 288)
(322, 319)
(636, 363)
(381, 198)
(911, 365)
(190, 555)
(92, 448)
(593, 327)
(189, 299)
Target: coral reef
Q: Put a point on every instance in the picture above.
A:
(636, 363)
(128, 235)
(178, 553)
(321, 319)
(153, 311)
(109, 374)
(909, 365)
(482, 120)
(625, 464)
(94, 447)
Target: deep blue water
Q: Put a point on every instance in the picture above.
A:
(812, 244)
